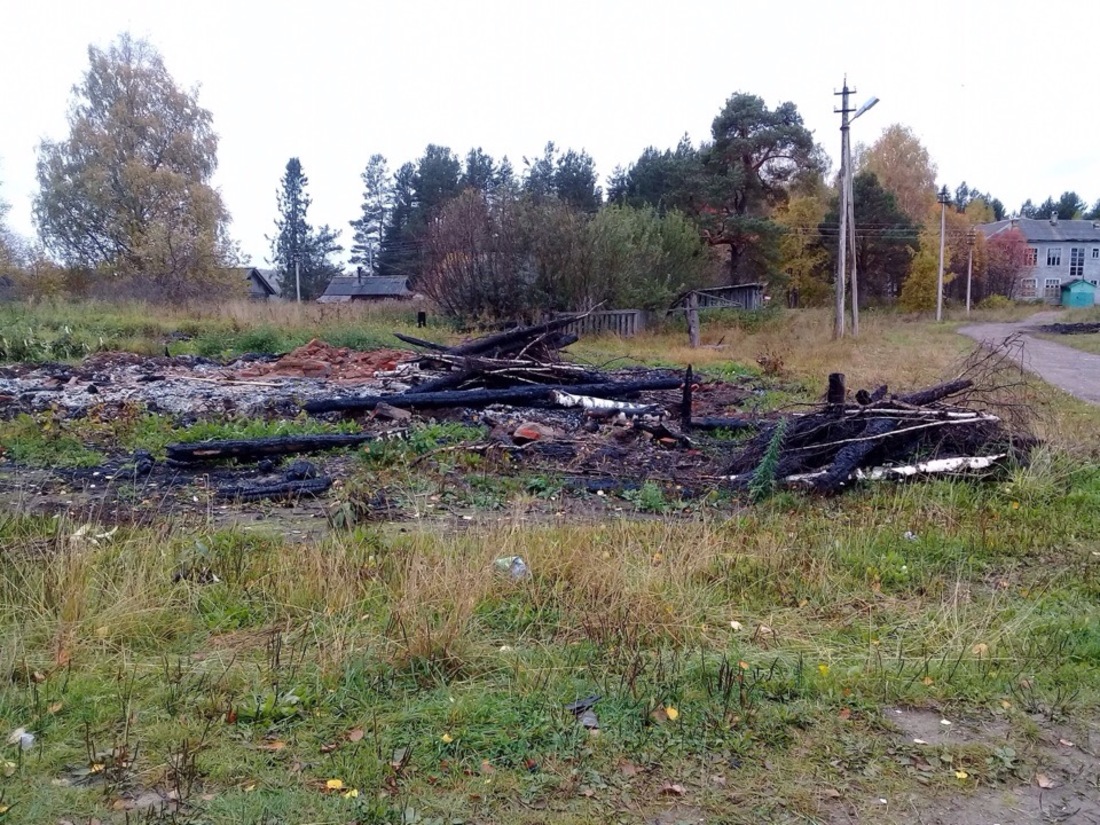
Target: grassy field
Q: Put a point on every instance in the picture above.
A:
(1085, 343)
(926, 652)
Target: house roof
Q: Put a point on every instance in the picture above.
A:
(369, 286)
(268, 279)
(1075, 281)
(1044, 231)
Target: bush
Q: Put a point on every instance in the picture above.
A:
(996, 302)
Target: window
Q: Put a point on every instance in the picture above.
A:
(1095, 252)
(1054, 256)
(1032, 257)
(1076, 262)
(1027, 288)
(1053, 287)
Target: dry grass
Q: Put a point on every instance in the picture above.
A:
(892, 349)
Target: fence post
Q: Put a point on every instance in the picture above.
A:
(693, 319)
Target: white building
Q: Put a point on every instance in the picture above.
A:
(1059, 252)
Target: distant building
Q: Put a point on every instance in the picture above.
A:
(263, 284)
(737, 296)
(1059, 253)
(365, 288)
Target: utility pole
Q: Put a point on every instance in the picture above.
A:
(852, 241)
(297, 280)
(970, 237)
(842, 245)
(943, 198)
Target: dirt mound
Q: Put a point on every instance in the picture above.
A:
(318, 359)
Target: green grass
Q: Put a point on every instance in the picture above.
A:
(745, 655)
(66, 331)
(1085, 343)
(401, 664)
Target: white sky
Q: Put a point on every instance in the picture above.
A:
(1003, 94)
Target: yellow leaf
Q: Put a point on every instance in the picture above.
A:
(672, 713)
(102, 632)
(351, 793)
(743, 665)
(4, 809)
(823, 669)
(447, 738)
(1015, 505)
(8, 768)
(97, 767)
(335, 784)
(927, 681)
(980, 649)
(1006, 704)
(962, 775)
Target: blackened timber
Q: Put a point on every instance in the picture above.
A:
(851, 456)
(274, 490)
(512, 338)
(936, 393)
(420, 342)
(685, 402)
(732, 424)
(459, 399)
(251, 449)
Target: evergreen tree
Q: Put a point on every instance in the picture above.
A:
(575, 181)
(296, 243)
(437, 180)
(398, 254)
(886, 239)
(369, 228)
(480, 172)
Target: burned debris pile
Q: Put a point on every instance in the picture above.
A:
(970, 425)
(523, 408)
(519, 367)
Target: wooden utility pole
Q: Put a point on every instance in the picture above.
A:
(970, 237)
(842, 244)
(852, 242)
(943, 199)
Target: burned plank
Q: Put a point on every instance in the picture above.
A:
(274, 490)
(931, 395)
(253, 449)
(468, 399)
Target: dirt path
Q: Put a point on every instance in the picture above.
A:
(1072, 370)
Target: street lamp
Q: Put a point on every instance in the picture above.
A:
(868, 104)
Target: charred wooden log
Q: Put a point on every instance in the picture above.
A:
(923, 398)
(253, 449)
(469, 399)
(274, 490)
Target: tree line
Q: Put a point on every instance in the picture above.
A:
(126, 200)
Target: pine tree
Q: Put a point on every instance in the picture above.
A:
(398, 254)
(296, 242)
(377, 204)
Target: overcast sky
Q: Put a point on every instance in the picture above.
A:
(1003, 95)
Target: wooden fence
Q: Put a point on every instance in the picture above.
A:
(626, 323)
